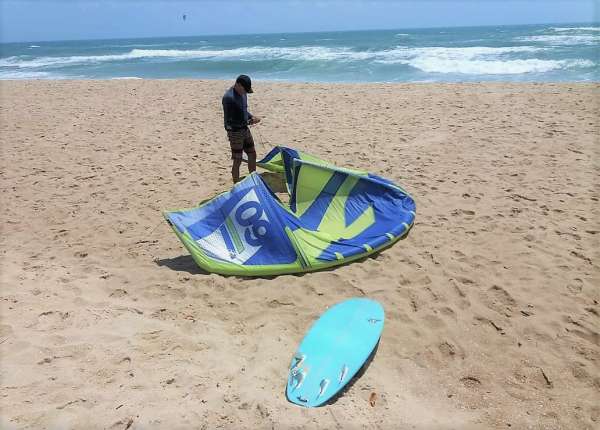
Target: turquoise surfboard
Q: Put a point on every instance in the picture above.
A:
(333, 351)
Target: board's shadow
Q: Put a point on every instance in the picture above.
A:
(359, 374)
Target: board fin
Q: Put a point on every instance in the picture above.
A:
(343, 373)
(323, 386)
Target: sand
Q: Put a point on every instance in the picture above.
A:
(491, 301)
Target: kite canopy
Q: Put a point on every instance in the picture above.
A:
(334, 216)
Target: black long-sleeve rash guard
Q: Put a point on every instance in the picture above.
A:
(235, 110)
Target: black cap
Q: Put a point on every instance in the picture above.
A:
(245, 82)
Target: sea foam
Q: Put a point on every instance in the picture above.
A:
(478, 60)
(571, 39)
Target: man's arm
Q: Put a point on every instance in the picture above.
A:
(228, 110)
(253, 119)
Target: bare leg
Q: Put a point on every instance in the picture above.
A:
(235, 170)
(252, 162)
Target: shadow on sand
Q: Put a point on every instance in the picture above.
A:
(276, 182)
(183, 263)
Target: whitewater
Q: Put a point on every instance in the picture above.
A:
(500, 53)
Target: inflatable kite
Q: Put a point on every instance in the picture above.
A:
(334, 216)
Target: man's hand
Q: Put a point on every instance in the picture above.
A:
(254, 120)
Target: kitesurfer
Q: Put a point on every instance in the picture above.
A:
(237, 119)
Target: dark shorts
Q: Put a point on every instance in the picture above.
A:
(240, 141)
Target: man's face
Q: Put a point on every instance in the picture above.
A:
(240, 89)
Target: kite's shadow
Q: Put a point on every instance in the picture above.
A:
(183, 263)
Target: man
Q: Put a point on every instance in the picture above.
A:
(237, 119)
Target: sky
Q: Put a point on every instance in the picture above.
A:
(43, 20)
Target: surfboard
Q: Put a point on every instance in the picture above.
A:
(333, 351)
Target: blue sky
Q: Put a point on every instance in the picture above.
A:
(31, 20)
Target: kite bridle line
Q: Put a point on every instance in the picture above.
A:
(261, 140)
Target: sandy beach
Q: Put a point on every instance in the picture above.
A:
(492, 301)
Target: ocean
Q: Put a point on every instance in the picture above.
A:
(538, 53)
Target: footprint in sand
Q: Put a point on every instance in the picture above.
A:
(457, 288)
(448, 312)
(434, 322)
(461, 211)
(164, 314)
(450, 351)
(52, 320)
(162, 290)
(582, 374)
(465, 281)
(471, 382)
(575, 286)
(275, 303)
(531, 377)
(581, 256)
(119, 292)
(499, 300)
(580, 329)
